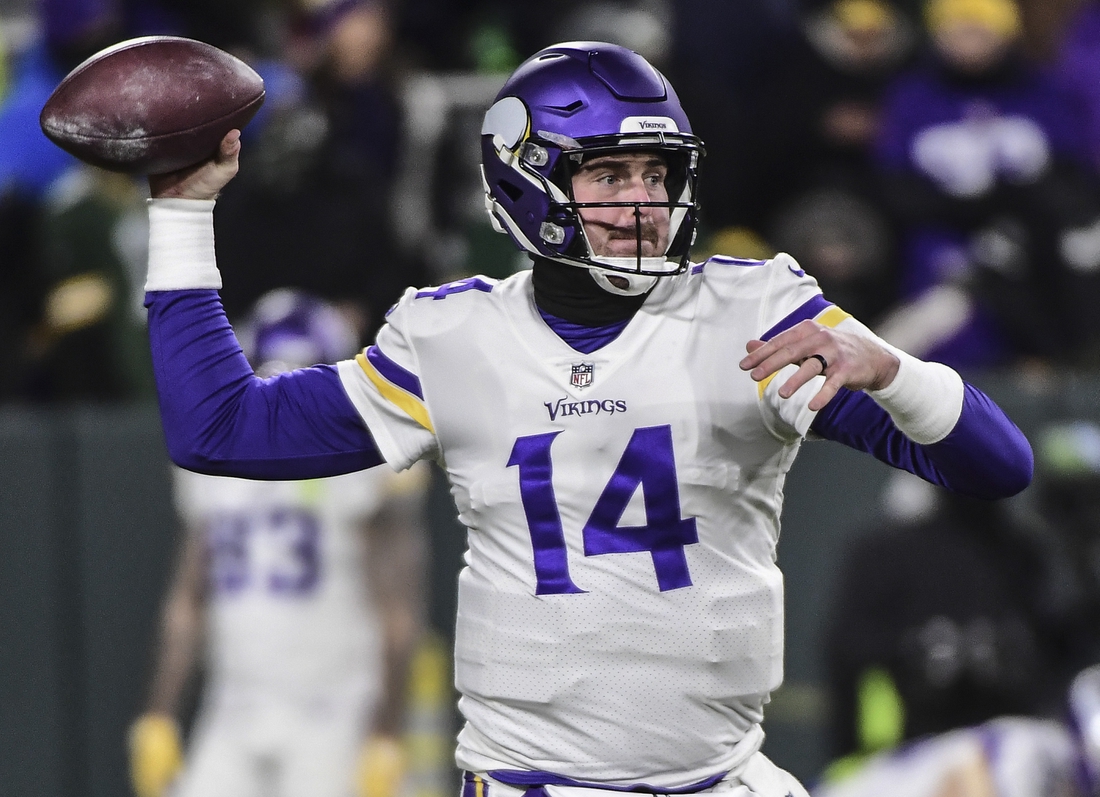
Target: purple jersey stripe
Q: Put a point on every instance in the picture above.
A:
(582, 338)
(220, 418)
(985, 455)
(809, 309)
(406, 380)
(522, 778)
(735, 261)
(725, 260)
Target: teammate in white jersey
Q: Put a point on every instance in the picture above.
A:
(616, 424)
(1004, 757)
(305, 599)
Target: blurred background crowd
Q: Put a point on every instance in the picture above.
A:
(935, 164)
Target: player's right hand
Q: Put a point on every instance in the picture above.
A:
(156, 755)
(204, 180)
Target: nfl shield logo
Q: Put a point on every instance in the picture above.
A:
(582, 374)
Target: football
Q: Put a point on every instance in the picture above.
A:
(151, 105)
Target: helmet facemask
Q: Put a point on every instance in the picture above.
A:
(563, 107)
(561, 234)
(680, 184)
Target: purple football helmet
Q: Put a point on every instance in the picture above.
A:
(288, 329)
(564, 104)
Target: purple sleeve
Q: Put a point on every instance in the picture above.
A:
(985, 455)
(220, 418)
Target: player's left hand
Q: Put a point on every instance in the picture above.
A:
(844, 358)
(381, 767)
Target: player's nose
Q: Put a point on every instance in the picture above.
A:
(636, 190)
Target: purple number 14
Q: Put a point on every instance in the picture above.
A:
(648, 463)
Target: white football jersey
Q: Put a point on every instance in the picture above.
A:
(620, 612)
(289, 614)
(1004, 757)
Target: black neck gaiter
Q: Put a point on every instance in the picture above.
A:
(570, 293)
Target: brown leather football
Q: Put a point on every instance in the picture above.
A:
(151, 105)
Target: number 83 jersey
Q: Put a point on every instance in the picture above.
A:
(290, 615)
(620, 611)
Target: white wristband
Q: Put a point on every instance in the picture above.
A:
(181, 245)
(925, 399)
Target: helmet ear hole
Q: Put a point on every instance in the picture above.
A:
(513, 192)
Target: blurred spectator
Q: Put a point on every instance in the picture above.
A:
(1078, 66)
(476, 35)
(721, 57)
(305, 601)
(73, 325)
(816, 191)
(987, 170)
(461, 35)
(237, 25)
(820, 110)
(644, 26)
(90, 341)
(321, 171)
(1067, 498)
(71, 30)
(19, 292)
(29, 164)
(937, 623)
(5, 51)
(1045, 23)
(958, 612)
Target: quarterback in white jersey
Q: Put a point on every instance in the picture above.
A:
(616, 425)
(302, 594)
(611, 530)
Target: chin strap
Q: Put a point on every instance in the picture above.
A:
(635, 284)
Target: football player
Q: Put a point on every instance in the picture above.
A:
(1003, 757)
(304, 596)
(616, 424)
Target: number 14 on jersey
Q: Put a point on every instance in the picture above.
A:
(647, 463)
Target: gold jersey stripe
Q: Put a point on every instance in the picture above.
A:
(395, 395)
(832, 316)
(829, 317)
(762, 385)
